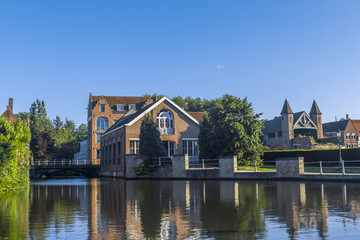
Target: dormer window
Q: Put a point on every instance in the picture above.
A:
(102, 107)
(119, 107)
(132, 106)
(165, 122)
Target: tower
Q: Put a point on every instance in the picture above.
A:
(287, 125)
(315, 116)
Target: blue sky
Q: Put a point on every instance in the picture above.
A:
(60, 51)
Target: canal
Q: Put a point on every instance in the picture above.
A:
(150, 209)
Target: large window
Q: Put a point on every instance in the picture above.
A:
(98, 137)
(134, 146)
(169, 148)
(102, 123)
(165, 122)
(191, 147)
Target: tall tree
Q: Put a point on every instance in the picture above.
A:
(231, 127)
(150, 145)
(41, 144)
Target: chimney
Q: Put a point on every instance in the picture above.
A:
(347, 116)
(11, 104)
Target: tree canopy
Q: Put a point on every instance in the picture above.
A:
(14, 154)
(53, 139)
(231, 127)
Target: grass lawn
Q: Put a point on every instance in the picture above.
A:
(251, 168)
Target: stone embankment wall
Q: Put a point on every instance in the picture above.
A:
(286, 169)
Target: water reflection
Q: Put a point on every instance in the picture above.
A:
(118, 209)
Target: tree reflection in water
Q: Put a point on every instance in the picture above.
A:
(152, 209)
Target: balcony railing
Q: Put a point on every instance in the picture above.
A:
(166, 131)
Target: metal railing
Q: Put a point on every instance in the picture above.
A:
(268, 166)
(64, 162)
(205, 164)
(333, 167)
(162, 161)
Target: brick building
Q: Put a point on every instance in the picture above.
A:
(103, 112)
(302, 131)
(293, 130)
(179, 132)
(349, 134)
(8, 114)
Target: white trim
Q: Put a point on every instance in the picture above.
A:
(186, 139)
(134, 139)
(157, 104)
(106, 133)
(151, 108)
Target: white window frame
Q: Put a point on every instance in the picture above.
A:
(119, 107)
(165, 122)
(105, 128)
(135, 148)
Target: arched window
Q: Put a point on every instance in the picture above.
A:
(165, 122)
(102, 123)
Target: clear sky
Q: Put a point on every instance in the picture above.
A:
(60, 51)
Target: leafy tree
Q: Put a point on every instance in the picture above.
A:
(180, 101)
(150, 145)
(231, 127)
(14, 154)
(82, 132)
(42, 144)
(194, 104)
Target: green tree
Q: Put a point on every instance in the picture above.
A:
(194, 104)
(150, 145)
(181, 102)
(42, 144)
(14, 154)
(231, 127)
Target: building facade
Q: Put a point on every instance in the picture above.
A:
(349, 134)
(306, 131)
(103, 112)
(293, 130)
(8, 114)
(179, 132)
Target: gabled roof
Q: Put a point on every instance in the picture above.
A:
(315, 109)
(335, 126)
(272, 126)
(302, 120)
(356, 124)
(112, 101)
(9, 115)
(131, 119)
(199, 116)
(286, 108)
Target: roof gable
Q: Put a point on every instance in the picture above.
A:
(133, 118)
(302, 120)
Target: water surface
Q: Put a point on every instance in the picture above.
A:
(119, 209)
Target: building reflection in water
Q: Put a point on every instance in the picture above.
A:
(119, 209)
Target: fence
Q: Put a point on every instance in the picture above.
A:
(268, 166)
(205, 164)
(162, 161)
(64, 162)
(333, 167)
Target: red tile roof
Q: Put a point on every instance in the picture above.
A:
(199, 116)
